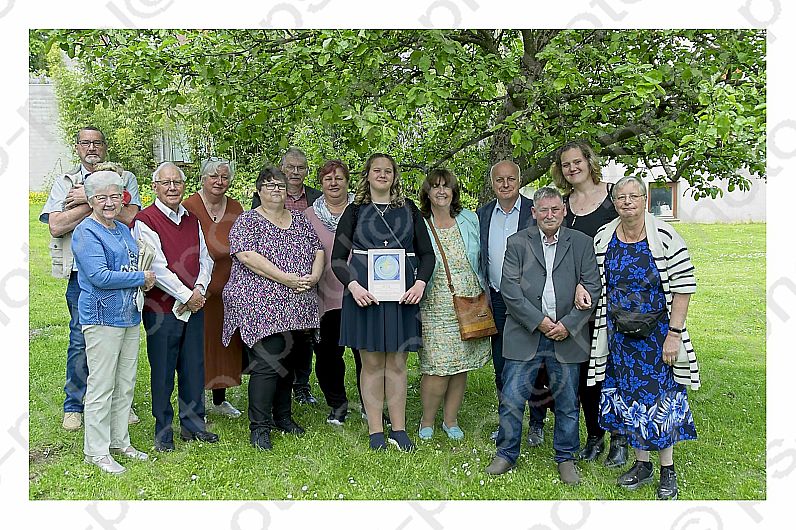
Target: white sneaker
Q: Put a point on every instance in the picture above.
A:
(130, 452)
(227, 409)
(133, 418)
(106, 463)
(72, 421)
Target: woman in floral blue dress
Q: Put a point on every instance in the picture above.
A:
(646, 270)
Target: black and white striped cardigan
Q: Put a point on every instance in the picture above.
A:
(677, 276)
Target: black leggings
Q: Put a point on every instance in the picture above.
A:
(272, 377)
(329, 362)
(590, 397)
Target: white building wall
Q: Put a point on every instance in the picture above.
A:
(49, 155)
(733, 207)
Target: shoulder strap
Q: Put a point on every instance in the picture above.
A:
(430, 223)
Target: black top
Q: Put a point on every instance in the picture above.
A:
(592, 221)
(372, 232)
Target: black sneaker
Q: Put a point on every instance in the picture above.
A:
(535, 435)
(667, 489)
(261, 439)
(638, 475)
(303, 396)
(164, 446)
(287, 425)
(337, 417)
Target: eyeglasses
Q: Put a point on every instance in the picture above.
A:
(170, 183)
(623, 198)
(87, 143)
(271, 186)
(297, 169)
(115, 197)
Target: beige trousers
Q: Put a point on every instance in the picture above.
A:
(112, 355)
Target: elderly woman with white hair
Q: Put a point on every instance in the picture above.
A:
(641, 350)
(217, 213)
(109, 279)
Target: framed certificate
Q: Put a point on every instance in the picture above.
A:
(387, 273)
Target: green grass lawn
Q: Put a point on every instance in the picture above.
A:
(727, 325)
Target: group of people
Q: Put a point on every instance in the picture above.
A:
(589, 294)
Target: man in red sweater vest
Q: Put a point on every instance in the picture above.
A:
(173, 315)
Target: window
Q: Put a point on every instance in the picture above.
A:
(662, 199)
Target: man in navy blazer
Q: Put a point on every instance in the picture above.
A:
(543, 266)
(500, 218)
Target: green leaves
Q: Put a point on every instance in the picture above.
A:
(693, 100)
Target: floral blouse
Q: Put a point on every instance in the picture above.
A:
(259, 306)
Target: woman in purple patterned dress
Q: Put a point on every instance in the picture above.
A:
(277, 260)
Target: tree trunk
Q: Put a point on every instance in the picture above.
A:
(516, 98)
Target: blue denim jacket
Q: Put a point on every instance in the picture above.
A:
(467, 222)
(107, 273)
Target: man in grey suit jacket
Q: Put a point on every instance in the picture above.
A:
(500, 218)
(542, 268)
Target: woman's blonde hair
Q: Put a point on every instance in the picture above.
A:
(362, 192)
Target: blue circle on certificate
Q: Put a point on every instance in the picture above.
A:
(387, 267)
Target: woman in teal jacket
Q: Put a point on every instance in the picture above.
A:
(445, 359)
(108, 275)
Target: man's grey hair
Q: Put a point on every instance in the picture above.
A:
(163, 166)
(627, 180)
(547, 192)
(512, 162)
(89, 128)
(212, 165)
(101, 180)
(295, 152)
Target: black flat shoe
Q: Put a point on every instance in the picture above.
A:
(593, 448)
(377, 442)
(288, 426)
(202, 436)
(617, 451)
(667, 489)
(401, 440)
(641, 473)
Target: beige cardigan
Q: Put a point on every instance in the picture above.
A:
(677, 276)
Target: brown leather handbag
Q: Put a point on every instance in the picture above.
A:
(473, 312)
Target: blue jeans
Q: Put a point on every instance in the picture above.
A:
(537, 412)
(76, 364)
(518, 379)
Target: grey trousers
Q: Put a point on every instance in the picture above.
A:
(112, 355)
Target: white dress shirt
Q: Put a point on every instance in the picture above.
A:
(549, 293)
(501, 226)
(167, 280)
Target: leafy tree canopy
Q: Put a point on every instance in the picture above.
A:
(687, 104)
